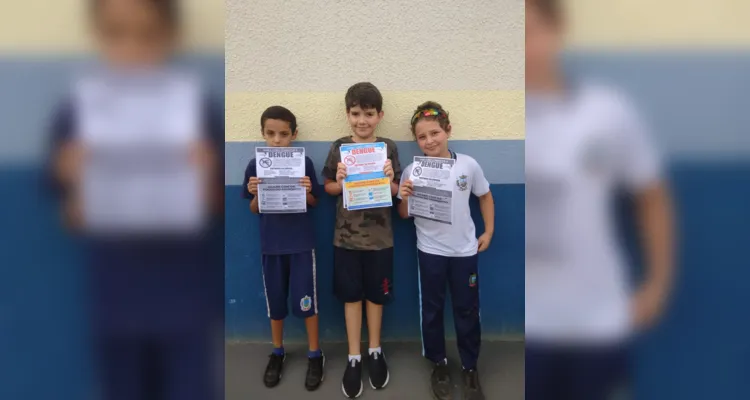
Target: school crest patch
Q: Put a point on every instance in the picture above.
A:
(305, 304)
(473, 280)
(462, 182)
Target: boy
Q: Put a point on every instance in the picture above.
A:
(363, 243)
(449, 254)
(287, 244)
(155, 296)
(584, 144)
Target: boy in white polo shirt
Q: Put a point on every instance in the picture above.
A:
(448, 254)
(585, 145)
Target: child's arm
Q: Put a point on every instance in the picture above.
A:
(250, 186)
(311, 183)
(394, 188)
(403, 205)
(334, 188)
(405, 189)
(312, 201)
(252, 191)
(331, 169)
(254, 205)
(487, 208)
(641, 171)
(396, 167)
(63, 166)
(480, 187)
(654, 212)
(389, 172)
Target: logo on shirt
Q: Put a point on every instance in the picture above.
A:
(305, 304)
(462, 182)
(473, 280)
(386, 286)
(265, 162)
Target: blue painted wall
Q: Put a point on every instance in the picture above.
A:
(501, 266)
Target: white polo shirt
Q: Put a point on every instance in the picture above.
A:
(579, 151)
(458, 239)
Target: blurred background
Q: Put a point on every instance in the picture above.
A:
(685, 64)
(44, 342)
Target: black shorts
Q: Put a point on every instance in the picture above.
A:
(363, 275)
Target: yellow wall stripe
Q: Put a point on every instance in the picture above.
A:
(32, 26)
(321, 115)
(662, 23)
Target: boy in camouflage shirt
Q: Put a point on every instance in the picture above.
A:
(363, 243)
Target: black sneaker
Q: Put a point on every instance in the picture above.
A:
(441, 382)
(378, 370)
(272, 377)
(352, 383)
(472, 388)
(315, 372)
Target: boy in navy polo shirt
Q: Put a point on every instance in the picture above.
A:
(287, 244)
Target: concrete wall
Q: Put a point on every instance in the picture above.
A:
(305, 58)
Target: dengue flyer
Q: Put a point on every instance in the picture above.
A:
(432, 196)
(138, 131)
(366, 185)
(280, 170)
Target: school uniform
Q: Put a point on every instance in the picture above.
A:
(448, 255)
(582, 148)
(287, 243)
(156, 301)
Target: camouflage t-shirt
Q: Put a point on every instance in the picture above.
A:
(362, 229)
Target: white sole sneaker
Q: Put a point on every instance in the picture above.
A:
(361, 389)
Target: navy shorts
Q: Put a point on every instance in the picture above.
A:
(363, 275)
(178, 366)
(293, 273)
(575, 373)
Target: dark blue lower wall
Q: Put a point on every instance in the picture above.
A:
(501, 273)
(701, 350)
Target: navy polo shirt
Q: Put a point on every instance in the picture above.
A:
(285, 233)
(158, 285)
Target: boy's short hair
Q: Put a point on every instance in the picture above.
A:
(551, 10)
(364, 95)
(169, 10)
(280, 113)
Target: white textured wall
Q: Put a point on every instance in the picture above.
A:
(467, 55)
